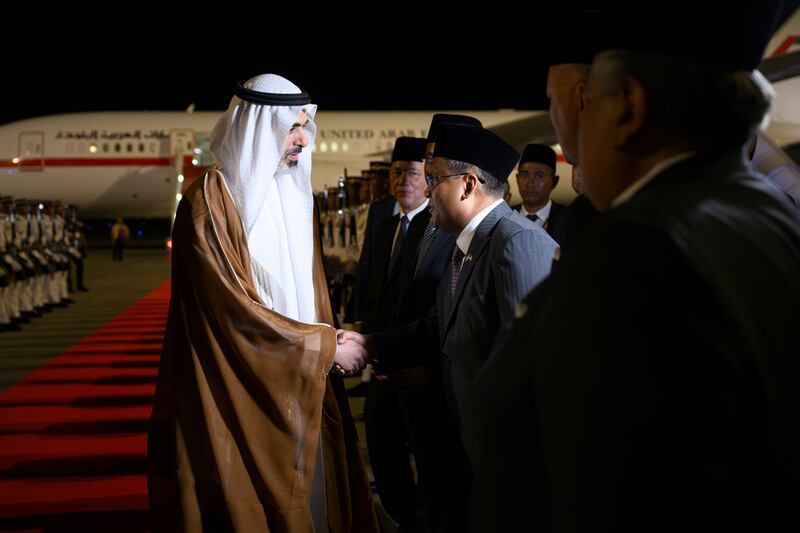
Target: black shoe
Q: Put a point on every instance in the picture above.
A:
(10, 327)
(83, 289)
(359, 390)
(68, 301)
(22, 319)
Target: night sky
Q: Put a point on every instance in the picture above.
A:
(339, 74)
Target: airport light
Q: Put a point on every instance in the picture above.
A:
(180, 178)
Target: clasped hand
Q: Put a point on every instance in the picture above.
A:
(351, 353)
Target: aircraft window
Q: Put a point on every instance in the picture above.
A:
(334, 146)
(188, 145)
(356, 146)
(82, 147)
(117, 147)
(323, 147)
(130, 147)
(153, 147)
(93, 148)
(366, 147)
(141, 147)
(70, 148)
(105, 148)
(345, 147)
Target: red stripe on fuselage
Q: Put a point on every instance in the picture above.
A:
(89, 162)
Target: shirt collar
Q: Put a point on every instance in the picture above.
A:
(465, 238)
(543, 213)
(654, 171)
(415, 212)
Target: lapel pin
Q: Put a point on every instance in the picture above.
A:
(468, 258)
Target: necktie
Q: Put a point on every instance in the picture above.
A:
(533, 218)
(398, 243)
(424, 245)
(458, 256)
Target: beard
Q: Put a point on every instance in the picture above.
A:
(291, 163)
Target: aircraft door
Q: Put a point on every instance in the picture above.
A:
(31, 150)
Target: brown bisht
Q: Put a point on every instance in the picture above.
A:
(243, 397)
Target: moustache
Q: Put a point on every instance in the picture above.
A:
(294, 150)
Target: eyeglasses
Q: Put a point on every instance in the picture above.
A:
(433, 181)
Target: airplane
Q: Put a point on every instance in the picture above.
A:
(133, 164)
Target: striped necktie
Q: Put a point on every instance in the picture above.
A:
(458, 257)
(424, 245)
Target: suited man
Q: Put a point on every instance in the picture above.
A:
(408, 294)
(499, 256)
(393, 256)
(536, 179)
(659, 387)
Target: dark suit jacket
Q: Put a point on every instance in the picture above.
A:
(653, 383)
(508, 256)
(556, 221)
(378, 212)
(404, 298)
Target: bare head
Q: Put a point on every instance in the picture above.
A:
(633, 119)
(566, 84)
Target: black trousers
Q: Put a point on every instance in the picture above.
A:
(116, 254)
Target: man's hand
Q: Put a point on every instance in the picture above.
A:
(343, 335)
(350, 357)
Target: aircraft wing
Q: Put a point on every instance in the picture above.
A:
(782, 67)
(533, 129)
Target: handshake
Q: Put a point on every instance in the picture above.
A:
(352, 352)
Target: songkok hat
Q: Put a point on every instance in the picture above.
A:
(583, 42)
(271, 89)
(539, 153)
(445, 118)
(409, 149)
(477, 146)
(720, 39)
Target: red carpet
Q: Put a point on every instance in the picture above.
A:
(73, 434)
